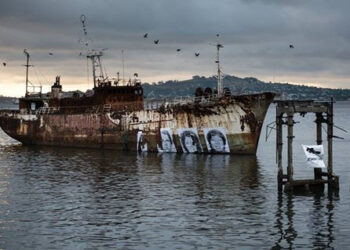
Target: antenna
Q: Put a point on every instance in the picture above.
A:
(27, 69)
(123, 66)
(219, 87)
(93, 55)
(219, 83)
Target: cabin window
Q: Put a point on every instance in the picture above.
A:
(32, 105)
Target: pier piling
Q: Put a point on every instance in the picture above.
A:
(285, 111)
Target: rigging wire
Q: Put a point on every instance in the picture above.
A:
(334, 136)
(38, 73)
(105, 72)
(86, 42)
(269, 127)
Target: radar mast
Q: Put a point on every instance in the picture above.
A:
(27, 70)
(93, 55)
(219, 83)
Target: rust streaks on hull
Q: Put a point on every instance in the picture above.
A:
(239, 118)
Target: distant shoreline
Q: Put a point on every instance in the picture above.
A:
(237, 86)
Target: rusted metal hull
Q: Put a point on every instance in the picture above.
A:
(238, 118)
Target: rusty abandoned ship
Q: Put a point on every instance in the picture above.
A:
(115, 115)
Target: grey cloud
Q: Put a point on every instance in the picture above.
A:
(256, 35)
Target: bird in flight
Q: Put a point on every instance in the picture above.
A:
(145, 35)
(196, 54)
(291, 46)
(156, 41)
(178, 50)
(4, 64)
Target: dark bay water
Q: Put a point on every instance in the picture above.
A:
(56, 198)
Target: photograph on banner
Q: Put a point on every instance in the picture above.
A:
(189, 140)
(314, 155)
(141, 144)
(216, 140)
(168, 145)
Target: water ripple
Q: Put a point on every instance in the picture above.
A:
(56, 198)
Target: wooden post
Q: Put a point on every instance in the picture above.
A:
(330, 140)
(319, 109)
(290, 145)
(318, 171)
(279, 146)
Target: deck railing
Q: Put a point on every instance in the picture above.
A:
(155, 103)
(148, 104)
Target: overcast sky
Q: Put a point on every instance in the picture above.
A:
(256, 35)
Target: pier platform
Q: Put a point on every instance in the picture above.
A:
(285, 111)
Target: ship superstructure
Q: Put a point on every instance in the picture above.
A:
(115, 115)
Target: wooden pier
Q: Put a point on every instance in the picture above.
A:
(285, 112)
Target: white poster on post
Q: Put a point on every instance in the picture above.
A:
(189, 140)
(314, 155)
(216, 140)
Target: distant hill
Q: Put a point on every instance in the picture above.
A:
(236, 85)
(243, 86)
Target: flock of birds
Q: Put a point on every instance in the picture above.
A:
(291, 46)
(145, 36)
(5, 63)
(177, 50)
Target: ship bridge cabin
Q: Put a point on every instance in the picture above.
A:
(33, 100)
(104, 95)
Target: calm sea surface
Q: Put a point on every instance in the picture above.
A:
(56, 198)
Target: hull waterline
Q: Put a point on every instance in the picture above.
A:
(229, 125)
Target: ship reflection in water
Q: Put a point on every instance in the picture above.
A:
(71, 198)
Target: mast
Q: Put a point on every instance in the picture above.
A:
(27, 70)
(123, 66)
(219, 83)
(95, 57)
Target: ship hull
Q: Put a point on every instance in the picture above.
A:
(229, 125)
